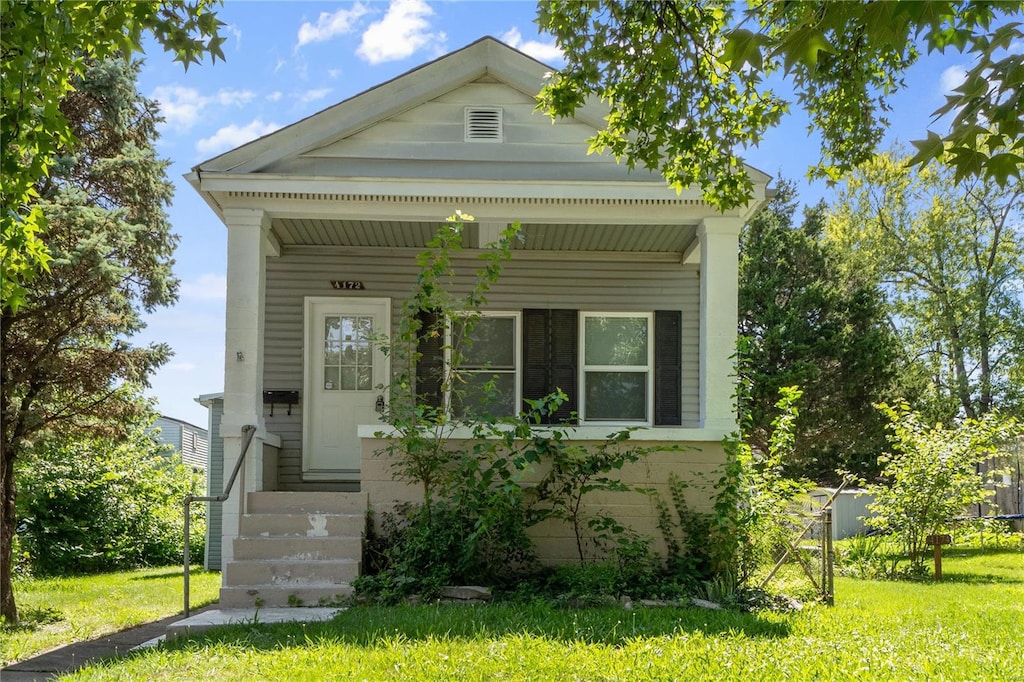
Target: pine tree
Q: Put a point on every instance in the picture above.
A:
(68, 365)
(811, 326)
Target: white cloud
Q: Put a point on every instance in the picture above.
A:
(275, 96)
(180, 366)
(233, 136)
(329, 25)
(238, 98)
(183, 107)
(207, 287)
(404, 29)
(314, 95)
(237, 33)
(952, 78)
(544, 52)
(333, 73)
(180, 106)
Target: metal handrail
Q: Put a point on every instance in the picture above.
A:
(248, 431)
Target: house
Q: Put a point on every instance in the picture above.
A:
(324, 219)
(214, 403)
(187, 439)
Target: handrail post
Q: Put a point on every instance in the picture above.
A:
(248, 431)
(185, 552)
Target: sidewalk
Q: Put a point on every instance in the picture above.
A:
(71, 657)
(74, 656)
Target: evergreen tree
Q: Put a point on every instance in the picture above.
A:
(809, 325)
(68, 365)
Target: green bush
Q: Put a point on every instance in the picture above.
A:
(99, 505)
(931, 476)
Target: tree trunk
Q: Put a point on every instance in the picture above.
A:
(8, 608)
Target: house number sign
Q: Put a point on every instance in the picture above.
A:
(346, 284)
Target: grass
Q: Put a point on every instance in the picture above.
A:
(966, 628)
(59, 611)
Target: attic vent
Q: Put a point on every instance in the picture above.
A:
(483, 124)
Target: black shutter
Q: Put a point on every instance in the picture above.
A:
(550, 352)
(668, 368)
(430, 366)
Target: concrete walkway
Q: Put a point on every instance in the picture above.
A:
(68, 658)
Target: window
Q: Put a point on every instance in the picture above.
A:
(348, 353)
(616, 367)
(613, 367)
(487, 352)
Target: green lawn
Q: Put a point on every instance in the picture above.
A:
(59, 611)
(966, 628)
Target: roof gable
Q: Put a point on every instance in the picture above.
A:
(485, 59)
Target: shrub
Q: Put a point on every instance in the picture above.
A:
(931, 476)
(97, 505)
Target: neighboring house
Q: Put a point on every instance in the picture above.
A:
(188, 439)
(324, 219)
(214, 403)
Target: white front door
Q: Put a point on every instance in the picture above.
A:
(345, 377)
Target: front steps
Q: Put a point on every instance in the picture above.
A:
(295, 549)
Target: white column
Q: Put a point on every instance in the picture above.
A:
(248, 240)
(719, 287)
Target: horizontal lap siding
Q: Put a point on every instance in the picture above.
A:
(214, 487)
(599, 285)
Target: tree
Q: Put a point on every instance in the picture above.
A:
(932, 475)
(47, 45)
(686, 81)
(950, 259)
(67, 365)
(812, 323)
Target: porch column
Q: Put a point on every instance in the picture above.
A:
(719, 288)
(248, 231)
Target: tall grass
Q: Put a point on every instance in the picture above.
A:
(966, 628)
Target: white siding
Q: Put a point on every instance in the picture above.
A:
(586, 284)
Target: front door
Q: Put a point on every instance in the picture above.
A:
(345, 376)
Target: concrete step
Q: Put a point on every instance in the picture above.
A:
(275, 596)
(298, 548)
(306, 503)
(264, 572)
(303, 525)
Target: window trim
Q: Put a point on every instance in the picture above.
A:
(517, 334)
(649, 370)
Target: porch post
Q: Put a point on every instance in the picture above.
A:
(719, 287)
(248, 231)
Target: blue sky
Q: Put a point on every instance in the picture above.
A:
(288, 60)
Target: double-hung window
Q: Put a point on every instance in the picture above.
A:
(617, 356)
(624, 368)
(484, 352)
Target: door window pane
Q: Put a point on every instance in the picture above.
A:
(348, 353)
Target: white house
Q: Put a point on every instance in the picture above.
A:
(187, 439)
(324, 219)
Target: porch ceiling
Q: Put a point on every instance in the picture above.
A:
(538, 236)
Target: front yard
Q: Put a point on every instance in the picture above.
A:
(966, 628)
(59, 611)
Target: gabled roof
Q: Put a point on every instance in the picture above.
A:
(485, 57)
